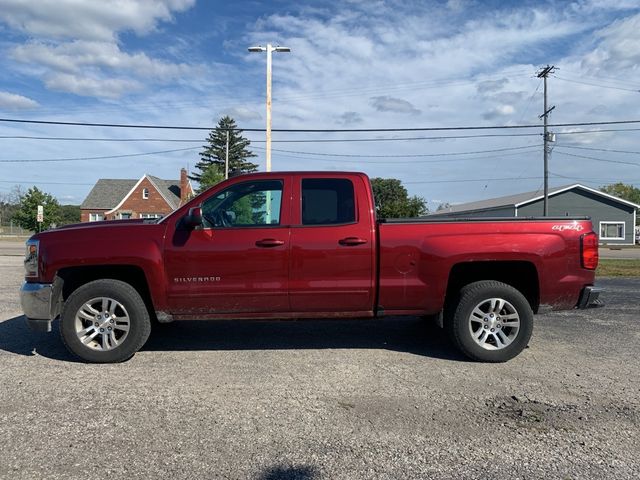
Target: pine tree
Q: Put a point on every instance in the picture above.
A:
(213, 155)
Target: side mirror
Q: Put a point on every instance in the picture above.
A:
(194, 218)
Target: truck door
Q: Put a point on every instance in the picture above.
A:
(239, 260)
(332, 245)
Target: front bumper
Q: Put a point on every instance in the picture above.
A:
(36, 305)
(589, 298)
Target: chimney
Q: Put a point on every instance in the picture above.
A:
(185, 191)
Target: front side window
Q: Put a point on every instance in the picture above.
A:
(96, 217)
(612, 230)
(145, 193)
(248, 204)
(327, 201)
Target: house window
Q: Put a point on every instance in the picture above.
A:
(124, 216)
(611, 230)
(145, 193)
(96, 217)
(150, 215)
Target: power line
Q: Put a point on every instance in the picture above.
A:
(597, 159)
(598, 179)
(604, 130)
(599, 85)
(601, 149)
(600, 77)
(320, 140)
(32, 182)
(392, 139)
(408, 155)
(405, 162)
(316, 130)
(469, 180)
(102, 139)
(104, 157)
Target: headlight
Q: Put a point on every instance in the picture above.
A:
(31, 258)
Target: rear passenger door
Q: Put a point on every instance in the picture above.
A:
(332, 242)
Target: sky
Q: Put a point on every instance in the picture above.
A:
(353, 65)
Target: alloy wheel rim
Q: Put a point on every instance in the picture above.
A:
(102, 323)
(494, 323)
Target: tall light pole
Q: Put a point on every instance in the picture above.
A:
(269, 49)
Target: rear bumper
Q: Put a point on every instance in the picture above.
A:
(589, 298)
(35, 299)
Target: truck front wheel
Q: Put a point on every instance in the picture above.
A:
(492, 321)
(104, 321)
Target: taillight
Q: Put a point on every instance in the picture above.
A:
(589, 251)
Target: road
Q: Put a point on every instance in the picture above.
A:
(325, 400)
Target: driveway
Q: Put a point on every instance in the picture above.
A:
(328, 399)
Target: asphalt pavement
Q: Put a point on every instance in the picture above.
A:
(327, 399)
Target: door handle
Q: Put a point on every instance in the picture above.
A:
(352, 241)
(269, 242)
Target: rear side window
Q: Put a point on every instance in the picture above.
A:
(327, 201)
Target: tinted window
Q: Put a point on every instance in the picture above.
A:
(327, 201)
(247, 204)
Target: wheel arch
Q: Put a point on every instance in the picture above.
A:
(71, 278)
(521, 275)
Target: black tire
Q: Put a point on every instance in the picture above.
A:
(130, 312)
(461, 328)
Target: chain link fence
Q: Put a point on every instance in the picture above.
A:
(12, 230)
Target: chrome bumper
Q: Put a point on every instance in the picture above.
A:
(589, 298)
(36, 305)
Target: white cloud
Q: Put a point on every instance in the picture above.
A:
(85, 85)
(499, 111)
(242, 114)
(84, 55)
(15, 101)
(90, 20)
(492, 85)
(76, 56)
(619, 48)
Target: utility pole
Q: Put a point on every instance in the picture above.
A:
(544, 73)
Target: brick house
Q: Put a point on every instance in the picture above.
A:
(148, 197)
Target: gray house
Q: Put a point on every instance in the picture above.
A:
(613, 219)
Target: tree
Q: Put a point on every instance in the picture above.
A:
(624, 191)
(212, 157)
(393, 201)
(210, 177)
(26, 216)
(9, 204)
(69, 214)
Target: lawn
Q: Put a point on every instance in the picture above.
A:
(608, 267)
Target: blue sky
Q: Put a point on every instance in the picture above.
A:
(354, 64)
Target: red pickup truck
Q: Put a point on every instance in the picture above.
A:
(304, 245)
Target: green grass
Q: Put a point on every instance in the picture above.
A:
(609, 267)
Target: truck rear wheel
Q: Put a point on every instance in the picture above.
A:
(105, 321)
(492, 321)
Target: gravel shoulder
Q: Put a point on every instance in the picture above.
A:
(332, 399)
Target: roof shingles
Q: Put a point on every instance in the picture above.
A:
(108, 192)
